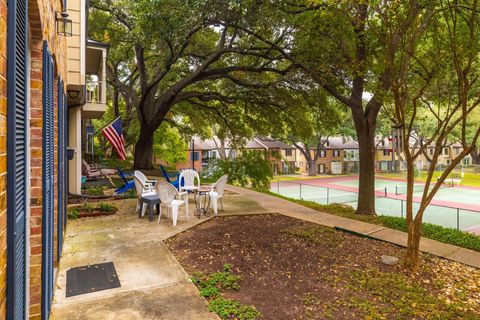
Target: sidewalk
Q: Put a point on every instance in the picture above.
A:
(285, 207)
(153, 284)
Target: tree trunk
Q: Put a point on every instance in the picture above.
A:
(412, 253)
(311, 168)
(475, 156)
(223, 151)
(366, 183)
(143, 158)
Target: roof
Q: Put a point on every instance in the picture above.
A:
(94, 43)
(272, 143)
(339, 142)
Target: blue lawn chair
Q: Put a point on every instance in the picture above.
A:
(167, 177)
(127, 184)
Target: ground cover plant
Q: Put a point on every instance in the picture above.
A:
(211, 285)
(88, 210)
(431, 231)
(292, 269)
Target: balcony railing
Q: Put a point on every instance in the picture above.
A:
(95, 91)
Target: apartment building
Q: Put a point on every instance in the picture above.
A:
(339, 155)
(44, 64)
(282, 156)
(447, 155)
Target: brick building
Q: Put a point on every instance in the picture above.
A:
(36, 87)
(338, 155)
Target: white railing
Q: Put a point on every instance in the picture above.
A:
(95, 91)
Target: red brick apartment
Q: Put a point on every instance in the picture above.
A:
(39, 94)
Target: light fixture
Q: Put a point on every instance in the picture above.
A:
(64, 25)
(73, 94)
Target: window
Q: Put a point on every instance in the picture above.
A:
(195, 156)
(430, 151)
(386, 152)
(457, 150)
(336, 153)
(445, 151)
(323, 153)
(288, 152)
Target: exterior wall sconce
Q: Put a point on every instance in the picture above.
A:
(73, 94)
(64, 25)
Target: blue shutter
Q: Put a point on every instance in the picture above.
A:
(17, 77)
(62, 201)
(48, 183)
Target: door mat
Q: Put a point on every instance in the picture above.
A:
(91, 278)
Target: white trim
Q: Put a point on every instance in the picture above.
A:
(260, 143)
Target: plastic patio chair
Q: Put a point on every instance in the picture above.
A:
(189, 180)
(142, 190)
(171, 199)
(167, 177)
(217, 192)
(127, 185)
(149, 184)
(92, 172)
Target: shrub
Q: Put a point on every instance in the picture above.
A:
(106, 207)
(251, 169)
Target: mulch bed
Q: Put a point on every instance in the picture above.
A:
(294, 269)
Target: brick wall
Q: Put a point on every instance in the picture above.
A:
(3, 171)
(42, 27)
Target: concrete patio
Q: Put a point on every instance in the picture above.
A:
(153, 284)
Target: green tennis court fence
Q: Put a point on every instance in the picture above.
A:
(445, 216)
(320, 194)
(419, 187)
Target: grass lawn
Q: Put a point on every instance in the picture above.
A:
(276, 267)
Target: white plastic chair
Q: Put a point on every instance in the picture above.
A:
(142, 191)
(149, 184)
(217, 192)
(190, 179)
(191, 182)
(169, 198)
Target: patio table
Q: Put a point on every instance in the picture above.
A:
(202, 201)
(150, 200)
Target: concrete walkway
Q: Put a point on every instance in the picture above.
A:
(153, 284)
(278, 205)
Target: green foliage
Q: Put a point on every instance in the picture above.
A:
(94, 191)
(106, 207)
(249, 169)
(446, 235)
(72, 214)
(431, 231)
(168, 145)
(231, 309)
(210, 287)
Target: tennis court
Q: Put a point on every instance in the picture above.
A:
(453, 206)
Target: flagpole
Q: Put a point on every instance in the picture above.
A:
(102, 128)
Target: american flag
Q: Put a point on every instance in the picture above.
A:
(113, 133)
